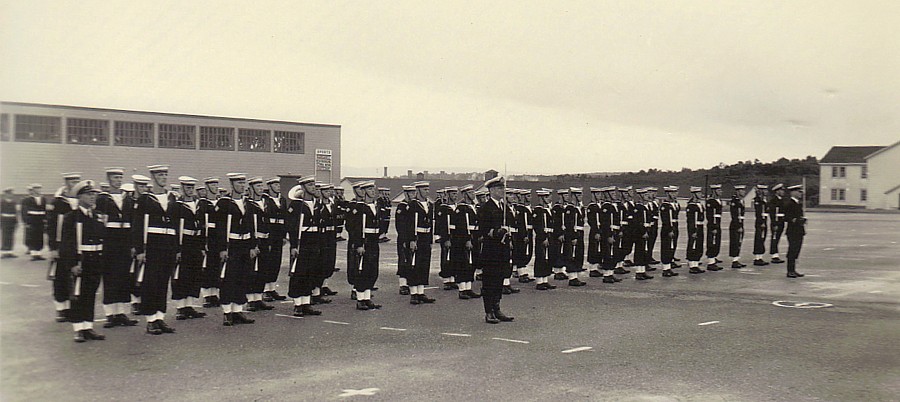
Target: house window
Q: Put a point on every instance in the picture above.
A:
(38, 128)
(177, 136)
(253, 140)
(865, 173)
(842, 195)
(289, 142)
(4, 127)
(834, 194)
(843, 171)
(217, 138)
(87, 131)
(863, 195)
(834, 171)
(134, 134)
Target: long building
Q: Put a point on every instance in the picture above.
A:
(39, 141)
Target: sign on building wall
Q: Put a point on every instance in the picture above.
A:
(323, 160)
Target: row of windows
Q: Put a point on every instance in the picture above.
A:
(138, 134)
(840, 194)
(841, 171)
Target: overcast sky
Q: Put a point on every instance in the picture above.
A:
(540, 87)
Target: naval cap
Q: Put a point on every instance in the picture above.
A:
(115, 170)
(625, 189)
(467, 187)
(575, 190)
(86, 186)
(497, 181)
(761, 186)
(128, 187)
(140, 179)
(254, 180)
(306, 180)
(778, 186)
(420, 184)
(542, 192)
(325, 186)
(409, 188)
(72, 175)
(236, 176)
(367, 184)
(211, 180)
(187, 180)
(796, 187)
(158, 168)
(740, 187)
(273, 181)
(695, 189)
(670, 189)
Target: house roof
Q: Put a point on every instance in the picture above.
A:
(883, 150)
(849, 154)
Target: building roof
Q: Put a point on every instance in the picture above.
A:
(849, 154)
(883, 149)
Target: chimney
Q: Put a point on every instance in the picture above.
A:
(409, 174)
(385, 172)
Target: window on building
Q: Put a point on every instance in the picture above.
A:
(863, 195)
(177, 136)
(253, 140)
(834, 171)
(289, 142)
(87, 131)
(134, 134)
(218, 138)
(4, 127)
(834, 194)
(865, 172)
(38, 128)
(842, 194)
(843, 171)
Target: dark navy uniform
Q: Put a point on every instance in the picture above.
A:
(542, 221)
(668, 214)
(9, 219)
(736, 227)
(117, 275)
(62, 278)
(406, 233)
(188, 221)
(557, 253)
(157, 240)
(304, 236)
(270, 263)
(81, 244)
(796, 230)
(713, 230)
(760, 224)
(695, 219)
(34, 217)
(442, 216)
(776, 218)
(495, 254)
(423, 216)
(209, 279)
(463, 227)
(573, 228)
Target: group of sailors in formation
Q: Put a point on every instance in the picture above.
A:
(219, 247)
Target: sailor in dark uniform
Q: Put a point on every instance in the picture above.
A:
(275, 210)
(423, 215)
(256, 205)
(406, 234)
(595, 238)
(64, 201)
(9, 219)
(713, 227)
(117, 208)
(619, 198)
(305, 239)
(365, 239)
(640, 225)
(442, 216)
(495, 255)
(237, 247)
(668, 214)
(354, 221)
(463, 227)
(210, 281)
(341, 217)
(523, 250)
(510, 225)
(796, 228)
(141, 185)
(188, 220)
(327, 230)
(653, 215)
(573, 228)
(34, 217)
(384, 213)
(81, 253)
(695, 212)
(542, 221)
(627, 204)
(760, 224)
(736, 227)
(777, 219)
(557, 242)
(481, 196)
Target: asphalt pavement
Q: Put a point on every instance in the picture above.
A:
(748, 334)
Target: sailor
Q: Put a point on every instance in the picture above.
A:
(275, 210)
(573, 228)
(619, 198)
(482, 195)
(237, 247)
(736, 227)
(627, 206)
(463, 226)
(695, 217)
(523, 249)
(595, 237)
(495, 255)
(796, 228)
(341, 217)
(191, 251)
(327, 231)
(760, 224)
(442, 215)
(117, 208)
(713, 227)
(406, 234)
(8, 222)
(365, 238)
(557, 242)
(509, 224)
(423, 215)
(34, 217)
(209, 283)
(653, 215)
(354, 222)
(256, 206)
(384, 213)
(668, 214)
(542, 220)
(640, 225)
(141, 185)
(64, 200)
(776, 217)
(305, 239)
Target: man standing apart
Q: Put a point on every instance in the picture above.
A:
(796, 229)
(34, 216)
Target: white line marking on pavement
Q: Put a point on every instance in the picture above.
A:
(813, 275)
(27, 285)
(875, 291)
(578, 349)
(361, 392)
(5, 283)
(288, 316)
(100, 319)
(393, 329)
(510, 340)
(708, 323)
(430, 287)
(454, 334)
(336, 322)
(751, 273)
(828, 249)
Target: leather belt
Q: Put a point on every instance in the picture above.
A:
(370, 230)
(190, 232)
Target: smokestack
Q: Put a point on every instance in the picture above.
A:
(385, 171)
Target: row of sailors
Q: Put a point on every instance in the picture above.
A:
(228, 250)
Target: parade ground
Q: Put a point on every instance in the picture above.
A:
(738, 334)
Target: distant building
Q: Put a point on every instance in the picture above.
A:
(884, 179)
(844, 176)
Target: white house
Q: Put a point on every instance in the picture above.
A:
(884, 178)
(844, 176)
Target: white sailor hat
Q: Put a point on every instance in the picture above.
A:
(497, 181)
(295, 193)
(575, 190)
(596, 189)
(211, 180)
(796, 187)
(409, 188)
(86, 186)
(542, 192)
(236, 176)
(254, 180)
(36, 185)
(441, 191)
(670, 189)
(104, 184)
(525, 191)
(187, 181)
(273, 180)
(140, 179)
(715, 186)
(158, 168)
(778, 186)
(695, 189)
(383, 189)
(452, 188)
(761, 187)
(653, 189)
(467, 187)
(367, 184)
(625, 189)
(641, 190)
(72, 175)
(562, 191)
(420, 184)
(176, 187)
(128, 187)
(510, 190)
(8, 189)
(740, 187)
(325, 186)
(115, 170)
(306, 180)
(482, 191)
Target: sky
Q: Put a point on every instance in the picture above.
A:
(538, 87)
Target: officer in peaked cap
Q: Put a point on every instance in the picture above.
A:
(796, 228)
(495, 255)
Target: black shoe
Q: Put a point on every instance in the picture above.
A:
(207, 302)
(595, 274)
(361, 305)
(79, 337)
(37, 258)
(165, 328)
(674, 265)
(194, 313)
(550, 286)
(514, 290)
(463, 295)
(760, 263)
(450, 286)
(652, 261)
(502, 317)
(676, 259)
(628, 263)
(153, 328)
(525, 279)
(228, 321)
(718, 261)
(320, 300)
(668, 273)
(124, 321)
(472, 294)
(339, 238)
(62, 315)
(697, 270)
(277, 296)
(414, 299)
(795, 275)
(91, 335)
(308, 310)
(372, 305)
(621, 271)
(352, 295)
(215, 301)
(559, 276)
(9, 256)
(267, 297)
(575, 282)
(326, 291)
(713, 267)
(642, 276)
(252, 306)
(298, 311)
(425, 299)
(135, 308)
(541, 286)
(240, 318)
(737, 265)
(611, 279)
(181, 314)
(777, 260)
(111, 321)
(649, 268)
(404, 290)
(490, 318)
